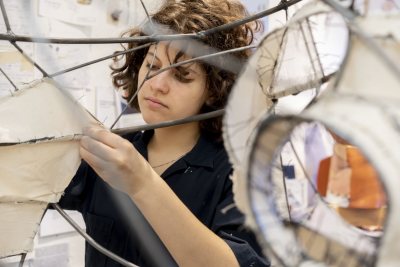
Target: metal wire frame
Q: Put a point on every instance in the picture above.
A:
(89, 239)
(157, 38)
(204, 116)
(281, 6)
(154, 38)
(234, 68)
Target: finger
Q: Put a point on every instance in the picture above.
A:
(97, 163)
(104, 136)
(97, 148)
(103, 169)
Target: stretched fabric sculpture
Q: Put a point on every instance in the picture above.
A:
(39, 154)
(362, 107)
(289, 60)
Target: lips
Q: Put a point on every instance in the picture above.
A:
(155, 102)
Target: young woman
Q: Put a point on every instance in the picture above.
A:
(177, 176)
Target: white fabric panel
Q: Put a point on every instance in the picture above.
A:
(271, 72)
(37, 171)
(380, 149)
(18, 226)
(41, 110)
(280, 66)
(367, 75)
(364, 110)
(39, 154)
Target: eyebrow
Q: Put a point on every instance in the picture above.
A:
(153, 55)
(150, 53)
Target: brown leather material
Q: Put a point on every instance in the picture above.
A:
(367, 199)
(323, 174)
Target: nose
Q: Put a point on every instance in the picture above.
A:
(161, 82)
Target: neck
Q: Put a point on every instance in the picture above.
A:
(175, 138)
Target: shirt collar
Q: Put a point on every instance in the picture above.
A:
(201, 155)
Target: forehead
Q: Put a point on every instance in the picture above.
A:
(171, 50)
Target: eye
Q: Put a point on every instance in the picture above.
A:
(182, 75)
(152, 67)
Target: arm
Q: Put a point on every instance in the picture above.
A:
(119, 164)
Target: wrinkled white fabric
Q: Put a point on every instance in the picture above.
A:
(285, 62)
(41, 110)
(39, 154)
(363, 109)
(18, 226)
(37, 171)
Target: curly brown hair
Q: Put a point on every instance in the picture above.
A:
(190, 16)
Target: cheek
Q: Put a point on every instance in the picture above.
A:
(141, 74)
(199, 100)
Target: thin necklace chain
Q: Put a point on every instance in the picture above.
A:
(168, 162)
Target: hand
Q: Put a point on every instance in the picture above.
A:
(114, 159)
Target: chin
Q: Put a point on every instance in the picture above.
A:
(151, 119)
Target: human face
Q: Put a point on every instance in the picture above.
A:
(172, 94)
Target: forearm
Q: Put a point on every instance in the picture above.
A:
(189, 241)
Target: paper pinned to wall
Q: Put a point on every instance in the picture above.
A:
(56, 57)
(75, 12)
(20, 23)
(18, 69)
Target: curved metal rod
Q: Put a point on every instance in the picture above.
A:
(204, 116)
(281, 6)
(90, 240)
(234, 67)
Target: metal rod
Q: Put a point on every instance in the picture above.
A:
(137, 91)
(23, 256)
(98, 60)
(29, 59)
(153, 38)
(137, 39)
(8, 78)
(233, 67)
(230, 68)
(147, 13)
(89, 239)
(5, 17)
(315, 47)
(204, 116)
(281, 6)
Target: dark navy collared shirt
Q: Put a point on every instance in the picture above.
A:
(200, 179)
